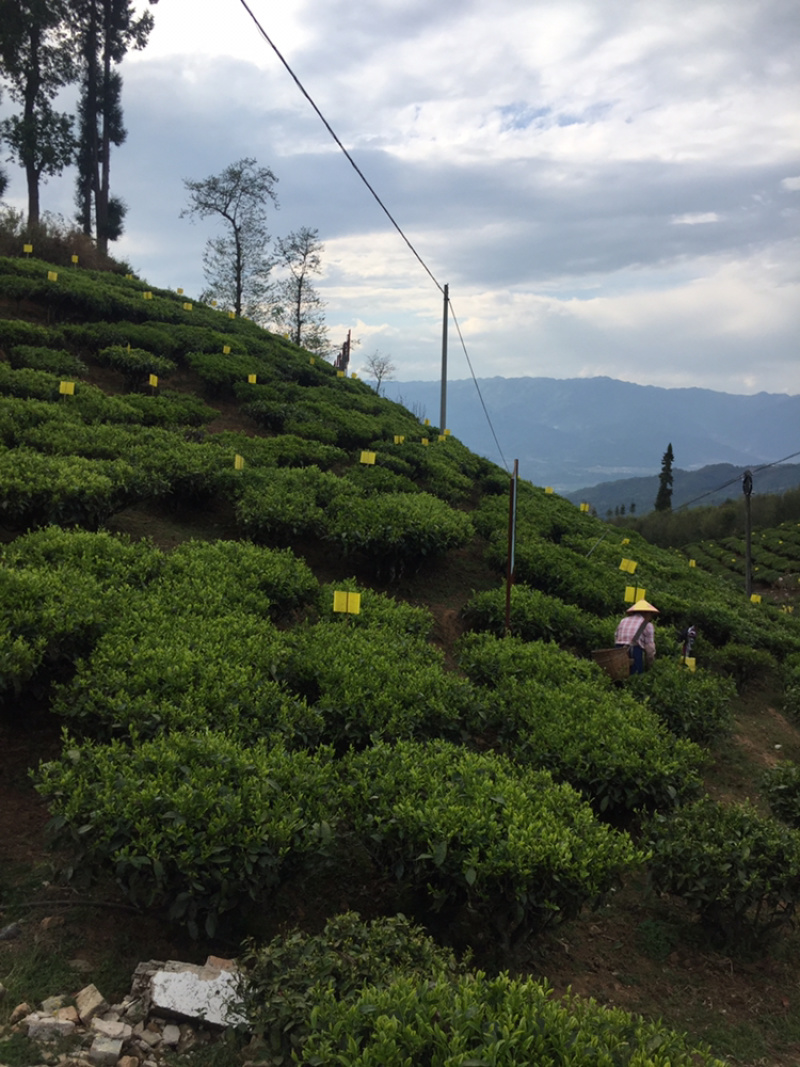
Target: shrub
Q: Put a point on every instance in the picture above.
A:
(737, 869)
(475, 1019)
(695, 705)
(396, 532)
(741, 663)
(55, 360)
(135, 363)
(781, 786)
(472, 834)
(193, 823)
(281, 505)
(282, 982)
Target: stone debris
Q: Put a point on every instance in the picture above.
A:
(172, 1008)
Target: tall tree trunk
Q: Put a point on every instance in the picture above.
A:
(32, 87)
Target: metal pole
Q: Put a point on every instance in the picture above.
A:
(512, 532)
(747, 488)
(443, 406)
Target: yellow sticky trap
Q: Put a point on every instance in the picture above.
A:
(626, 540)
(787, 609)
(226, 350)
(154, 380)
(312, 360)
(628, 565)
(692, 562)
(27, 249)
(238, 462)
(340, 374)
(755, 598)
(442, 437)
(52, 275)
(187, 307)
(129, 277)
(252, 379)
(67, 388)
(348, 602)
(399, 438)
(690, 662)
(633, 593)
(213, 303)
(447, 433)
(424, 440)
(74, 259)
(368, 457)
(548, 489)
(584, 506)
(148, 295)
(427, 422)
(179, 292)
(354, 375)
(231, 314)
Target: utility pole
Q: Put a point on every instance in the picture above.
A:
(747, 488)
(443, 405)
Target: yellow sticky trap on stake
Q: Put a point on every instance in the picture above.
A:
(238, 462)
(368, 457)
(154, 381)
(424, 440)
(52, 275)
(148, 295)
(67, 388)
(347, 602)
(226, 350)
(252, 379)
(548, 489)
(231, 314)
(442, 437)
(179, 292)
(354, 375)
(27, 249)
(633, 593)
(626, 540)
(75, 259)
(690, 662)
(787, 609)
(584, 506)
(129, 277)
(447, 433)
(427, 422)
(312, 360)
(755, 598)
(692, 562)
(628, 565)
(340, 374)
(187, 306)
(213, 303)
(399, 438)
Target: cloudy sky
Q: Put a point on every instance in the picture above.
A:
(608, 187)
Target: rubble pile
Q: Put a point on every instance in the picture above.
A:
(173, 1007)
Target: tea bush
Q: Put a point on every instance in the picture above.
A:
(781, 787)
(280, 505)
(54, 360)
(135, 363)
(196, 824)
(282, 982)
(491, 842)
(695, 705)
(475, 1019)
(738, 870)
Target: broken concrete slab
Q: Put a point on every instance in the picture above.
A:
(206, 992)
(90, 1002)
(105, 1051)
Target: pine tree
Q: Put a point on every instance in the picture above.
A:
(664, 497)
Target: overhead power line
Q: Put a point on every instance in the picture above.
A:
(381, 204)
(733, 481)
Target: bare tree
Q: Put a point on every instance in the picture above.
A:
(380, 368)
(299, 306)
(237, 265)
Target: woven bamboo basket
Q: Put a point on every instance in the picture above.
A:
(614, 661)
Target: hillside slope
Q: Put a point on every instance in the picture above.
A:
(268, 607)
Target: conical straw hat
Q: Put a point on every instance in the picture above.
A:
(641, 605)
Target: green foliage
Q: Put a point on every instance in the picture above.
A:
(283, 981)
(54, 360)
(278, 506)
(135, 363)
(781, 787)
(484, 840)
(479, 1020)
(693, 704)
(535, 616)
(193, 823)
(546, 709)
(737, 869)
(396, 532)
(742, 664)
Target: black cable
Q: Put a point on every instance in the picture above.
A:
(738, 478)
(350, 159)
(475, 380)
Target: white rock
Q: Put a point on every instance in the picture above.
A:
(48, 1028)
(171, 1034)
(90, 1002)
(205, 993)
(112, 1028)
(105, 1051)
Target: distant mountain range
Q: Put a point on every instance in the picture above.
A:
(576, 432)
